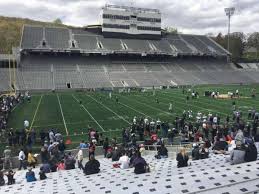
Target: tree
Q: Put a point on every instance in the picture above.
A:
(171, 30)
(57, 21)
(253, 41)
(237, 44)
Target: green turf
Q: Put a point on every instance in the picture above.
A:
(109, 117)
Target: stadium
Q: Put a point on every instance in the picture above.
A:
(65, 90)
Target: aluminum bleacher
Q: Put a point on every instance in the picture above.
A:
(32, 37)
(212, 176)
(57, 38)
(4, 83)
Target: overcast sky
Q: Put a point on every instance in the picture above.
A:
(188, 16)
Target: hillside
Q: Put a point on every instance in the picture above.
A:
(11, 28)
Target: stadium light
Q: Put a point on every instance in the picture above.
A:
(229, 12)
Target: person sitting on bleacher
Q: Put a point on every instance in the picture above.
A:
(162, 152)
(140, 164)
(220, 147)
(124, 161)
(30, 175)
(42, 174)
(92, 166)
(195, 152)
(115, 154)
(237, 156)
(182, 158)
(204, 151)
(69, 162)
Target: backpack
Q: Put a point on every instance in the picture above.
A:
(251, 153)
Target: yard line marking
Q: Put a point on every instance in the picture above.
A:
(134, 109)
(61, 110)
(89, 113)
(36, 111)
(204, 103)
(121, 117)
(158, 109)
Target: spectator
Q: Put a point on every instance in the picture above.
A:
(105, 146)
(42, 174)
(140, 164)
(44, 155)
(92, 166)
(162, 152)
(7, 158)
(237, 156)
(80, 158)
(91, 149)
(239, 136)
(31, 160)
(182, 158)
(115, 154)
(2, 181)
(220, 146)
(204, 152)
(45, 168)
(61, 165)
(195, 152)
(69, 162)
(30, 175)
(124, 161)
(22, 160)
(10, 178)
(82, 145)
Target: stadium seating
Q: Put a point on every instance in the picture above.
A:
(57, 38)
(55, 72)
(32, 37)
(211, 175)
(86, 42)
(4, 83)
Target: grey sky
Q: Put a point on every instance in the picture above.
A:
(188, 16)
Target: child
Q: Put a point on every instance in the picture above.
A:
(10, 178)
(42, 174)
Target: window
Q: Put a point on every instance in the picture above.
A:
(143, 19)
(117, 17)
(149, 28)
(116, 26)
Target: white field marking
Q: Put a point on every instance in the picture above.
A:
(135, 110)
(89, 113)
(121, 117)
(198, 107)
(15, 106)
(158, 109)
(61, 110)
(35, 113)
(179, 96)
(195, 105)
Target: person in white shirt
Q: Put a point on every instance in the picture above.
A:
(80, 158)
(170, 107)
(26, 124)
(215, 120)
(21, 158)
(124, 161)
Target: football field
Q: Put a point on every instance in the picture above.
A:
(73, 112)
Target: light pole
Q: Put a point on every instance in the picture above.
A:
(229, 12)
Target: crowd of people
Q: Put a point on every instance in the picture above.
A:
(234, 136)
